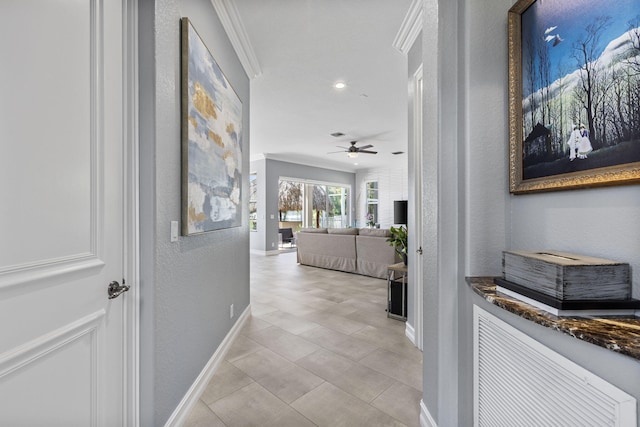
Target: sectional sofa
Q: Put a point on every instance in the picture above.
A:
(362, 251)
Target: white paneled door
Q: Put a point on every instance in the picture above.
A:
(61, 181)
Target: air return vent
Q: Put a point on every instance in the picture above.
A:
(520, 382)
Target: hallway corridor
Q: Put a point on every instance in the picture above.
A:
(317, 350)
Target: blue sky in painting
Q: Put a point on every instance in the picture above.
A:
(571, 17)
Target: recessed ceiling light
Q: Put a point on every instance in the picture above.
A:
(340, 85)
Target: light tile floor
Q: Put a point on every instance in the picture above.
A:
(318, 350)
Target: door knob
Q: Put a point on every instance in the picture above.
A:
(115, 289)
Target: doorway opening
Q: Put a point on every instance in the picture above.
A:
(309, 204)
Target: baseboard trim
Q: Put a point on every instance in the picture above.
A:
(426, 420)
(190, 399)
(410, 333)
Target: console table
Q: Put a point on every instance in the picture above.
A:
(620, 334)
(397, 291)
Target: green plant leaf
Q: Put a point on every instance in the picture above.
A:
(398, 239)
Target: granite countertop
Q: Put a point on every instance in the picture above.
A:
(616, 333)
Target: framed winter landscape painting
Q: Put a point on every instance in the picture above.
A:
(211, 141)
(574, 94)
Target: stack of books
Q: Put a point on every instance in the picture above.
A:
(563, 283)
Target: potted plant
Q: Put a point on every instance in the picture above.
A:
(398, 240)
(370, 222)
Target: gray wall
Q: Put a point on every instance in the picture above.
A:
(269, 172)
(187, 286)
(442, 205)
(472, 77)
(597, 222)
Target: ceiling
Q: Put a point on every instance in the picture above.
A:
(302, 48)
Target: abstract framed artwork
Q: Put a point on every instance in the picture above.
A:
(574, 94)
(211, 141)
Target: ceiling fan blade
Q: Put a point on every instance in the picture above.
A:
(367, 152)
(334, 152)
(364, 147)
(344, 148)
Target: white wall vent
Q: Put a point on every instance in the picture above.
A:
(520, 382)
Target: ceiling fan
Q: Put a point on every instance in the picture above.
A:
(353, 150)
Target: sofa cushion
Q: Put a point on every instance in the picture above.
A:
(313, 230)
(375, 232)
(348, 231)
(374, 256)
(336, 252)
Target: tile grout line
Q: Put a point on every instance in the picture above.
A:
(310, 295)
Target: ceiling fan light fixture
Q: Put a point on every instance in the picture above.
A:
(352, 154)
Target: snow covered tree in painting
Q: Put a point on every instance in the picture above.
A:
(580, 84)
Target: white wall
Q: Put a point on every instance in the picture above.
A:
(392, 185)
(414, 59)
(258, 238)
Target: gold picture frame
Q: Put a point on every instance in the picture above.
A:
(546, 159)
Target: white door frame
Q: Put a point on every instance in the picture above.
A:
(416, 272)
(131, 250)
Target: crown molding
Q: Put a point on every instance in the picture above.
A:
(238, 36)
(410, 28)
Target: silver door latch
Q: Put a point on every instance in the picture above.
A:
(115, 289)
